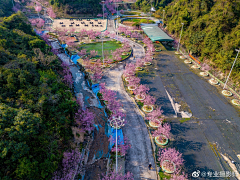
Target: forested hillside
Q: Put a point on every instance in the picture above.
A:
(36, 107)
(211, 29)
(78, 6)
(5, 7)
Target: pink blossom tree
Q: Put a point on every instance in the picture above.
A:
(38, 8)
(141, 89)
(139, 63)
(69, 165)
(155, 114)
(112, 175)
(84, 120)
(106, 33)
(183, 176)
(83, 52)
(122, 148)
(149, 100)
(171, 155)
(51, 12)
(134, 81)
(93, 53)
(163, 130)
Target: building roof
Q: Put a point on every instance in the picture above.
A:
(155, 33)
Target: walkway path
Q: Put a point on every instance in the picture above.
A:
(140, 153)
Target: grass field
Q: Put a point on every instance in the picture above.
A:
(140, 21)
(107, 45)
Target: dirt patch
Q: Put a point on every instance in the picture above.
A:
(97, 168)
(127, 23)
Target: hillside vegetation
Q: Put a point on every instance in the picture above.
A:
(211, 29)
(36, 107)
(78, 6)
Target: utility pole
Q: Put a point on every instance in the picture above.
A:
(180, 37)
(102, 35)
(231, 68)
(163, 17)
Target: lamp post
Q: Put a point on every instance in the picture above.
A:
(180, 37)
(117, 123)
(231, 68)
(163, 17)
(102, 34)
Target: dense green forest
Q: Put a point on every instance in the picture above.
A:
(78, 6)
(211, 28)
(5, 7)
(36, 107)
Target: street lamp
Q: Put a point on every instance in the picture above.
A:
(180, 37)
(163, 17)
(102, 33)
(116, 123)
(231, 68)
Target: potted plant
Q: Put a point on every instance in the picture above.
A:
(148, 103)
(155, 123)
(170, 160)
(162, 134)
(226, 93)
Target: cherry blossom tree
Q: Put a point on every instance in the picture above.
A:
(38, 8)
(69, 165)
(99, 15)
(155, 114)
(106, 33)
(149, 100)
(133, 81)
(139, 63)
(163, 130)
(122, 148)
(84, 120)
(141, 89)
(51, 12)
(83, 52)
(67, 75)
(112, 175)
(172, 155)
(183, 176)
(93, 53)
(205, 67)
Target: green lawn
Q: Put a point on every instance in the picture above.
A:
(148, 21)
(107, 46)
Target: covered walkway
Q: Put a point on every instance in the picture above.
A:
(155, 33)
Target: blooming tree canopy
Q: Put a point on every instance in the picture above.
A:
(163, 130)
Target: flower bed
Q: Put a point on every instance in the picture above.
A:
(195, 67)
(138, 68)
(182, 57)
(187, 61)
(168, 166)
(161, 140)
(139, 97)
(147, 108)
(176, 52)
(127, 79)
(147, 63)
(236, 102)
(226, 93)
(213, 81)
(155, 123)
(203, 74)
(132, 88)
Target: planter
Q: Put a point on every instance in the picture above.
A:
(138, 68)
(127, 79)
(226, 93)
(155, 124)
(203, 74)
(147, 63)
(118, 42)
(139, 97)
(169, 171)
(182, 57)
(147, 108)
(187, 61)
(124, 54)
(139, 41)
(93, 60)
(113, 40)
(195, 67)
(213, 81)
(132, 88)
(162, 143)
(236, 102)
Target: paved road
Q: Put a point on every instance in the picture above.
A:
(140, 153)
(214, 127)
